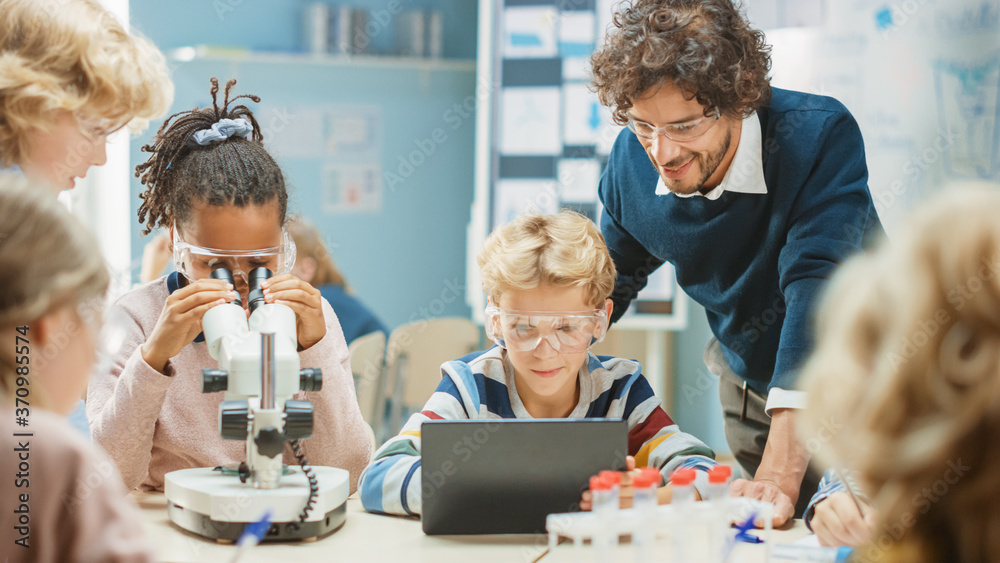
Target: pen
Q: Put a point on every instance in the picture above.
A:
(850, 491)
(742, 531)
(251, 536)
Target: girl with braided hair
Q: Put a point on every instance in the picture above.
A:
(211, 184)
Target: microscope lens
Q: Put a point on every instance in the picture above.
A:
(256, 298)
(226, 275)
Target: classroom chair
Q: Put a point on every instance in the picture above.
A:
(368, 367)
(414, 356)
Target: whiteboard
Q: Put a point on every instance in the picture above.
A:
(921, 78)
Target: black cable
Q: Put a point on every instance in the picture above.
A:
(310, 475)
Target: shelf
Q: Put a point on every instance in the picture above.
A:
(195, 54)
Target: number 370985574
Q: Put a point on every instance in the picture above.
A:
(22, 359)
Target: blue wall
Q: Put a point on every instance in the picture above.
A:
(276, 25)
(406, 260)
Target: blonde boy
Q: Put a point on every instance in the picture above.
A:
(70, 75)
(547, 279)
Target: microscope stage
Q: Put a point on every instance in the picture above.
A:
(217, 506)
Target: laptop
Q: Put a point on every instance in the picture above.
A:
(506, 476)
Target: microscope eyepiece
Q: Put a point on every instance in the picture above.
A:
(227, 275)
(256, 297)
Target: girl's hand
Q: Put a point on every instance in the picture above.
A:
(302, 298)
(180, 320)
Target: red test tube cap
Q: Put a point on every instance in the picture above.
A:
(719, 474)
(652, 473)
(645, 480)
(598, 484)
(683, 476)
(613, 477)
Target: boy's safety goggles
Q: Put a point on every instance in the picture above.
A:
(197, 262)
(567, 332)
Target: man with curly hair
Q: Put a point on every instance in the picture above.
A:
(755, 195)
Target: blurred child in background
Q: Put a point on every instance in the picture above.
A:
(907, 370)
(63, 498)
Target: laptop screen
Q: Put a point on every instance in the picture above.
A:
(506, 476)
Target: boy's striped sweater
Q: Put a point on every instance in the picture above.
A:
(480, 386)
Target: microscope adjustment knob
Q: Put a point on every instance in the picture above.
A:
(270, 442)
(310, 379)
(298, 419)
(234, 420)
(213, 380)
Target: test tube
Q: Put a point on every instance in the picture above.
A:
(718, 482)
(615, 479)
(682, 483)
(605, 506)
(720, 532)
(644, 487)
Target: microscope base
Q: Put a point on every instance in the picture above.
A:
(218, 506)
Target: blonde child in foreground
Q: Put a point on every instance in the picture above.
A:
(548, 279)
(70, 75)
(63, 499)
(908, 367)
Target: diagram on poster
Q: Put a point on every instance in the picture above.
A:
(353, 132)
(578, 179)
(351, 188)
(342, 142)
(576, 34)
(530, 32)
(968, 99)
(513, 198)
(582, 115)
(530, 121)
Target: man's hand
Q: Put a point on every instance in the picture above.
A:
(781, 469)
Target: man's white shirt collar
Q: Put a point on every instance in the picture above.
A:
(746, 172)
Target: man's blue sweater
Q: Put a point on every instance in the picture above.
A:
(756, 262)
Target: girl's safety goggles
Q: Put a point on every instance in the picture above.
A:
(197, 262)
(567, 332)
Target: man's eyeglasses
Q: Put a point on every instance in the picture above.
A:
(680, 132)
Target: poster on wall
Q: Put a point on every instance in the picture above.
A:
(550, 137)
(352, 188)
(343, 143)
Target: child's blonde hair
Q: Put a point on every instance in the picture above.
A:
(565, 249)
(73, 55)
(904, 385)
(48, 260)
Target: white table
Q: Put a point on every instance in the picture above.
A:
(625, 553)
(364, 537)
(376, 537)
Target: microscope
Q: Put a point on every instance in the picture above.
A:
(259, 371)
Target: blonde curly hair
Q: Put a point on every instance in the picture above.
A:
(906, 373)
(73, 55)
(565, 249)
